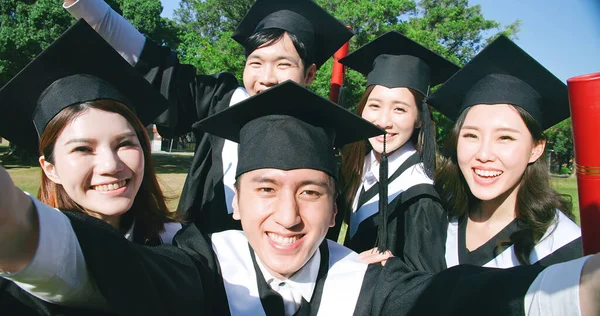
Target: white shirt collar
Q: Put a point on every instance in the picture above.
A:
(303, 280)
(395, 160)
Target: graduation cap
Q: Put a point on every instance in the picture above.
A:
(394, 60)
(319, 31)
(288, 127)
(502, 73)
(78, 67)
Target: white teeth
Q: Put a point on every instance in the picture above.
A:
(282, 240)
(487, 173)
(109, 187)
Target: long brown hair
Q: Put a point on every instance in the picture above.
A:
(536, 200)
(353, 155)
(149, 210)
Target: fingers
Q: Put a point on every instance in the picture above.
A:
(374, 256)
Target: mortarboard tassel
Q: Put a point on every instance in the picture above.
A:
(383, 200)
(428, 140)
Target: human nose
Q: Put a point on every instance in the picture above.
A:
(485, 151)
(287, 212)
(108, 162)
(268, 77)
(383, 119)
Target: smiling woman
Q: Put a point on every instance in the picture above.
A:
(400, 74)
(496, 184)
(93, 149)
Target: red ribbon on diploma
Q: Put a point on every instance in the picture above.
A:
(584, 99)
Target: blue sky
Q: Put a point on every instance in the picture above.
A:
(564, 36)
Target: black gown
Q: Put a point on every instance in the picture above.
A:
(15, 301)
(561, 243)
(193, 97)
(187, 280)
(416, 219)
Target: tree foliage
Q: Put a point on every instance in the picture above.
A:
(29, 26)
(452, 28)
(559, 139)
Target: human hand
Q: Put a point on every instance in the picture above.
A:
(589, 287)
(374, 256)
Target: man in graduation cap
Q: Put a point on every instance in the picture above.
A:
(283, 40)
(280, 264)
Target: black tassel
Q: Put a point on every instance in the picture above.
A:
(427, 141)
(383, 200)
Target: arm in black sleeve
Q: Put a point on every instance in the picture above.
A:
(192, 97)
(461, 290)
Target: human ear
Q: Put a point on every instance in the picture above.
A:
(310, 74)
(335, 211)
(235, 206)
(537, 151)
(49, 169)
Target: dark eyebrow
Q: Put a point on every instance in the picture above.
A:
(119, 138)
(125, 136)
(80, 140)
(394, 102)
(502, 129)
(278, 58)
(323, 184)
(263, 179)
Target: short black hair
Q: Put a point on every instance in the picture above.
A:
(270, 36)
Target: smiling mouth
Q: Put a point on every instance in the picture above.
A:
(109, 187)
(387, 136)
(489, 174)
(284, 241)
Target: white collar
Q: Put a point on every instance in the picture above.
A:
(395, 160)
(304, 279)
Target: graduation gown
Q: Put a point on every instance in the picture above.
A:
(193, 279)
(205, 199)
(15, 301)
(560, 243)
(416, 219)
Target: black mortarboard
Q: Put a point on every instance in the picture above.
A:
(288, 127)
(78, 67)
(321, 33)
(394, 60)
(502, 73)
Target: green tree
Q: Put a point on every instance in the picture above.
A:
(27, 27)
(451, 28)
(559, 141)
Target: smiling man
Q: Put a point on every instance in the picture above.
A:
(283, 40)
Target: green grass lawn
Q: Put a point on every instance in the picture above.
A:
(568, 186)
(172, 170)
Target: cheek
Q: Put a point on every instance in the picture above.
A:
(133, 159)
(72, 170)
(251, 210)
(248, 77)
(369, 115)
(290, 74)
(516, 156)
(464, 153)
(405, 122)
